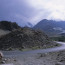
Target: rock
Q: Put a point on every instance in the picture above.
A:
(5, 59)
(3, 62)
(59, 63)
(14, 60)
(1, 55)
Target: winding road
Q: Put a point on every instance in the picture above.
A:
(15, 53)
(18, 55)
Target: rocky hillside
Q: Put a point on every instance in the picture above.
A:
(6, 25)
(25, 38)
(3, 32)
(51, 27)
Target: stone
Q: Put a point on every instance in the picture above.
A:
(59, 63)
(1, 55)
(7, 64)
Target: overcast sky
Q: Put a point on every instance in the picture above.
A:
(32, 10)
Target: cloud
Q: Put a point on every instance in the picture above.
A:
(14, 10)
(32, 10)
(54, 8)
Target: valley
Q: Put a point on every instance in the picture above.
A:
(25, 46)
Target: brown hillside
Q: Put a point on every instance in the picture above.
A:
(24, 38)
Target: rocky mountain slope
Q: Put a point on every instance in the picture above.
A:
(25, 38)
(51, 27)
(3, 32)
(6, 27)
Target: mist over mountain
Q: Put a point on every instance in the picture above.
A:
(51, 27)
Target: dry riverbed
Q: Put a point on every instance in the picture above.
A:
(50, 58)
(53, 58)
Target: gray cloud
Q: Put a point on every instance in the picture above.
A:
(23, 11)
(14, 10)
(54, 8)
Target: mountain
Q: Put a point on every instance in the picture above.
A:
(51, 27)
(25, 38)
(6, 27)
